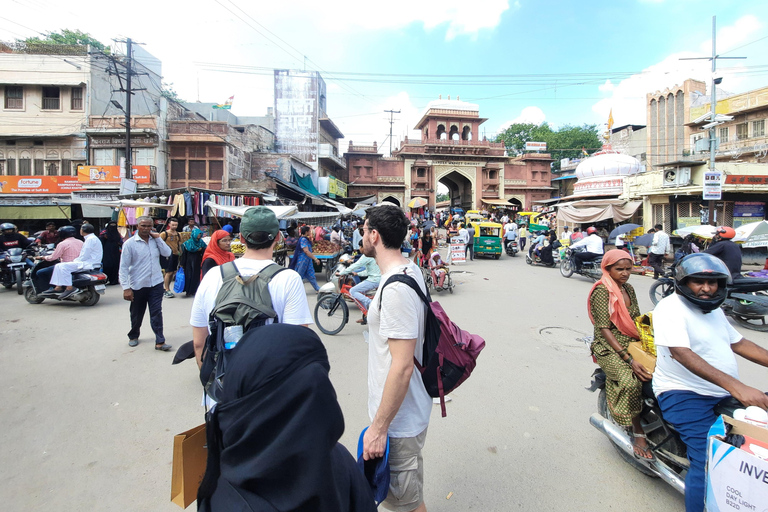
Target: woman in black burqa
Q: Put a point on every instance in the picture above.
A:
(273, 438)
(111, 242)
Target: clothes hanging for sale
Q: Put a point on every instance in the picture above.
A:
(122, 221)
(189, 211)
(130, 215)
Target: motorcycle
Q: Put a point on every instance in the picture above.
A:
(746, 301)
(511, 247)
(331, 310)
(590, 269)
(14, 264)
(671, 463)
(532, 258)
(89, 285)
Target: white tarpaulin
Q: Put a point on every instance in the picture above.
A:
(282, 212)
(570, 214)
(112, 203)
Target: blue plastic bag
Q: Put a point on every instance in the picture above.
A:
(178, 284)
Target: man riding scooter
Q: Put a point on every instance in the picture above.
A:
(90, 257)
(592, 244)
(66, 251)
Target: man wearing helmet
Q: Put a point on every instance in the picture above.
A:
(696, 367)
(726, 249)
(10, 238)
(593, 245)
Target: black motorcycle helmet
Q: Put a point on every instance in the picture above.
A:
(704, 266)
(7, 228)
(66, 232)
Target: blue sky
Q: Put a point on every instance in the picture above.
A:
(565, 62)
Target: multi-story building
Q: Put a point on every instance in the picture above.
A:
(476, 171)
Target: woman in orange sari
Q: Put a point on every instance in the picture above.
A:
(612, 307)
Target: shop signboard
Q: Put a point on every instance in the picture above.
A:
(749, 209)
(111, 173)
(341, 188)
(332, 187)
(39, 184)
(535, 146)
(458, 250)
(713, 186)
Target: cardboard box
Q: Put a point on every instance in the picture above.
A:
(736, 479)
(635, 349)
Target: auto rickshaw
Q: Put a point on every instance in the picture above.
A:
(487, 239)
(532, 221)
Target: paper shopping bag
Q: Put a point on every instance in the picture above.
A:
(189, 459)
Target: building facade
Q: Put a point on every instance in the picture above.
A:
(477, 172)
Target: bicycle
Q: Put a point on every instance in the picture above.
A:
(332, 311)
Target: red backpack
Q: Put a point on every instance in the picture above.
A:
(449, 354)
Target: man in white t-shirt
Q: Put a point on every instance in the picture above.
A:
(696, 367)
(659, 247)
(398, 403)
(259, 231)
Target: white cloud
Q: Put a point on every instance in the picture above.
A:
(533, 115)
(627, 98)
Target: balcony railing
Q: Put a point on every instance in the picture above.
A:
(451, 142)
(330, 152)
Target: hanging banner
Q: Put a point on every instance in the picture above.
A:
(39, 184)
(341, 188)
(713, 186)
(111, 173)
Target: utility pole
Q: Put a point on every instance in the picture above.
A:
(713, 104)
(391, 122)
(128, 93)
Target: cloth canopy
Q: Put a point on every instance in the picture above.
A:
(499, 202)
(116, 203)
(305, 182)
(282, 212)
(570, 214)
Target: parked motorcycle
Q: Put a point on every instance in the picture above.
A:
(90, 285)
(590, 269)
(671, 463)
(331, 310)
(746, 302)
(14, 264)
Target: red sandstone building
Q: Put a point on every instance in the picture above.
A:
(476, 171)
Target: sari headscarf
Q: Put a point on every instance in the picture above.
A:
(616, 307)
(215, 252)
(273, 437)
(195, 242)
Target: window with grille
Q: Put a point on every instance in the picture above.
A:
(758, 128)
(178, 169)
(39, 167)
(77, 99)
(742, 131)
(10, 167)
(25, 167)
(216, 170)
(197, 170)
(104, 157)
(14, 97)
(51, 97)
(215, 152)
(66, 167)
(661, 214)
(723, 135)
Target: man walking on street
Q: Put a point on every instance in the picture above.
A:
(398, 403)
(657, 250)
(142, 280)
(464, 235)
(172, 238)
(470, 242)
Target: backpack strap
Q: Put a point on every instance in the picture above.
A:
(411, 282)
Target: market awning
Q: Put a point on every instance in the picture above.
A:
(116, 203)
(572, 215)
(282, 212)
(34, 212)
(569, 177)
(499, 202)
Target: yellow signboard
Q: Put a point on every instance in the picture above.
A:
(341, 188)
(331, 186)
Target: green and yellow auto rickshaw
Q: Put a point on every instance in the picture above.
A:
(532, 218)
(487, 239)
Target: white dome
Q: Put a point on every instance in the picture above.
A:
(608, 164)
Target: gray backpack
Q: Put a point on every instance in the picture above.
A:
(241, 305)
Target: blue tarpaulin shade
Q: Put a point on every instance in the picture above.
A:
(305, 182)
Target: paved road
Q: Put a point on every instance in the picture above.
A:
(88, 422)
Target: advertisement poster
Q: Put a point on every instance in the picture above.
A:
(713, 186)
(39, 184)
(111, 173)
(458, 252)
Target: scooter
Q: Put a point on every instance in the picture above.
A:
(746, 302)
(532, 258)
(671, 464)
(511, 247)
(89, 285)
(590, 269)
(14, 264)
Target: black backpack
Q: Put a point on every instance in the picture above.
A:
(241, 302)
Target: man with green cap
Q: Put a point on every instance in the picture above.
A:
(260, 232)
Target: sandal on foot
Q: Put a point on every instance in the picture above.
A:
(647, 450)
(164, 347)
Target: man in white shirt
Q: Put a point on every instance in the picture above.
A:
(464, 235)
(90, 257)
(398, 403)
(565, 234)
(510, 233)
(593, 245)
(260, 232)
(659, 247)
(696, 367)
(142, 280)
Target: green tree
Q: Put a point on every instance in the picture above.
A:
(439, 198)
(170, 93)
(565, 142)
(67, 38)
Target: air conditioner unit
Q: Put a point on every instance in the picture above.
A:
(679, 177)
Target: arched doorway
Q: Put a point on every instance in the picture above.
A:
(390, 199)
(460, 189)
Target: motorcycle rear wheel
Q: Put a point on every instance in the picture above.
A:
(752, 323)
(605, 412)
(566, 268)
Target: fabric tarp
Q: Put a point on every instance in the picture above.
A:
(34, 212)
(282, 212)
(617, 212)
(117, 203)
(500, 202)
(305, 182)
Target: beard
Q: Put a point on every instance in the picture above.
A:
(369, 250)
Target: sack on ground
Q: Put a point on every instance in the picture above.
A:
(189, 460)
(449, 354)
(178, 284)
(241, 304)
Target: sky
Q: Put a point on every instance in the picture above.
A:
(555, 61)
